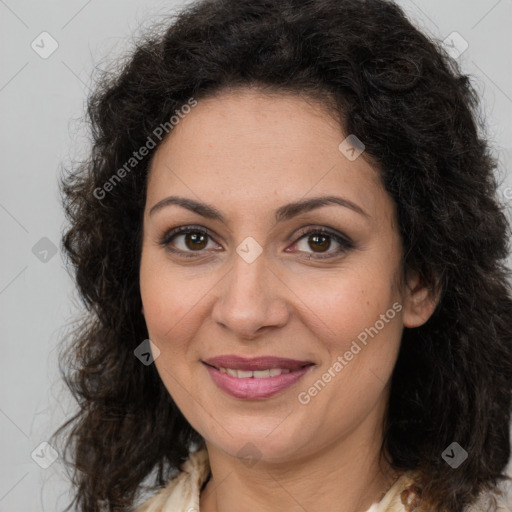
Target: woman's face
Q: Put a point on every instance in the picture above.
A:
(263, 282)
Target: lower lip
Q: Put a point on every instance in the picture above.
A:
(252, 388)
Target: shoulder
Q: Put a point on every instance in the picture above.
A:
(498, 500)
(405, 496)
(182, 492)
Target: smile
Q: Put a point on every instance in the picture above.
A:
(257, 374)
(257, 378)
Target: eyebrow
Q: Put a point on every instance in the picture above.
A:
(282, 214)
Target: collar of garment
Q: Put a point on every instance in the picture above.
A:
(183, 491)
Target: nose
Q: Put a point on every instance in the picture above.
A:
(251, 299)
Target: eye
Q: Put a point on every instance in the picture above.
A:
(320, 241)
(193, 239)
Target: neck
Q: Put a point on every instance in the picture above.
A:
(346, 476)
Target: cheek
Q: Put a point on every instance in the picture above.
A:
(167, 296)
(340, 306)
(166, 303)
(360, 348)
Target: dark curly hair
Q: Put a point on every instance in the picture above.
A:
(407, 100)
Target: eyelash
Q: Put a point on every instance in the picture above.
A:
(345, 243)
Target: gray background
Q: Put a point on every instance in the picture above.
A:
(42, 101)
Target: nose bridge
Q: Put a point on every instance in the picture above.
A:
(247, 300)
(245, 291)
(250, 262)
(249, 270)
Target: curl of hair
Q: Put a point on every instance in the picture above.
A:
(407, 101)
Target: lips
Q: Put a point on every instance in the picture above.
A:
(256, 363)
(255, 379)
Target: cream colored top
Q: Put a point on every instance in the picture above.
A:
(183, 492)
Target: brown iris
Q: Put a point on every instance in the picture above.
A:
(196, 240)
(316, 238)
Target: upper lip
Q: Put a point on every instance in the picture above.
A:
(255, 363)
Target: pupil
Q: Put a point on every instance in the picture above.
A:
(316, 239)
(195, 238)
(320, 241)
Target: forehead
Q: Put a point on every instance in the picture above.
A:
(248, 146)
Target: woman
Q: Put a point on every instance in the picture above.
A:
(288, 239)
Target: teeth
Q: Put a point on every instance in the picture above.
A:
(260, 374)
(257, 374)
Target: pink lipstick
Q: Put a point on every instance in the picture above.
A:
(255, 378)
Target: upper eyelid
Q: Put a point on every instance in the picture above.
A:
(301, 232)
(324, 230)
(305, 231)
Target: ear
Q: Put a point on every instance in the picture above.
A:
(419, 301)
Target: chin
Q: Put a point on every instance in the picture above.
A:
(252, 446)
